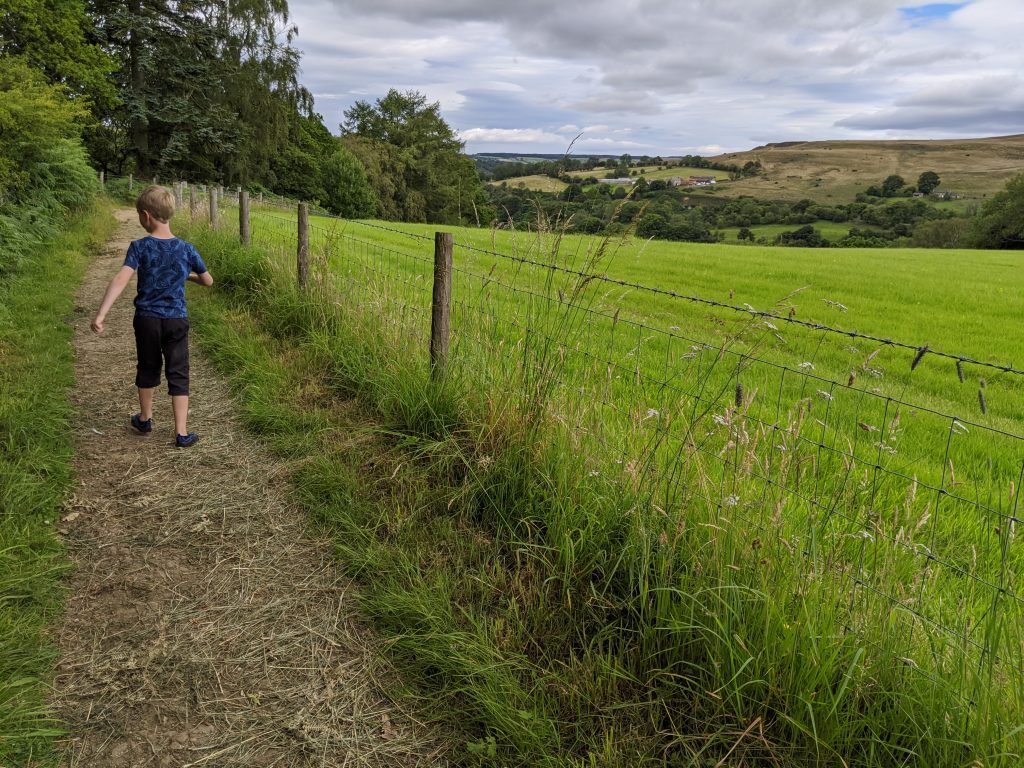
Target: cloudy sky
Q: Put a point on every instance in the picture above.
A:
(674, 76)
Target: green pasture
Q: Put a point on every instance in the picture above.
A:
(885, 492)
(950, 301)
(830, 230)
(957, 301)
(536, 183)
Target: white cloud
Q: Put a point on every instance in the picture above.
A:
(509, 136)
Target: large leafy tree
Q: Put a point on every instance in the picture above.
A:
(56, 38)
(1000, 222)
(927, 181)
(346, 190)
(415, 160)
(296, 170)
(208, 88)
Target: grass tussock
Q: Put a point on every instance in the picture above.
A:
(36, 451)
(566, 608)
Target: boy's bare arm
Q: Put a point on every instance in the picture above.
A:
(202, 279)
(113, 291)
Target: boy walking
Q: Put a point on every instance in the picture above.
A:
(163, 263)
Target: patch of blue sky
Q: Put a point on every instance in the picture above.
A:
(921, 15)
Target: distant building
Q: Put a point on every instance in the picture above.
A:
(618, 182)
(701, 181)
(676, 181)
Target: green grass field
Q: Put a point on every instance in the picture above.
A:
(830, 230)
(835, 498)
(533, 183)
(957, 301)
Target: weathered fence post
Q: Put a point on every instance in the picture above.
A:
(131, 182)
(103, 178)
(213, 207)
(178, 198)
(193, 203)
(243, 216)
(303, 254)
(440, 314)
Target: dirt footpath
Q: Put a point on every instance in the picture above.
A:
(203, 626)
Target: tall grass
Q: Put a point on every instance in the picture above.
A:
(598, 571)
(36, 452)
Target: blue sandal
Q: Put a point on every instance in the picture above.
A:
(140, 426)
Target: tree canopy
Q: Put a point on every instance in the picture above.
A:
(414, 161)
(927, 182)
(1000, 222)
(208, 89)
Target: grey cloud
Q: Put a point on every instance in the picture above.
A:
(972, 120)
(618, 103)
(715, 69)
(695, 38)
(942, 54)
(997, 89)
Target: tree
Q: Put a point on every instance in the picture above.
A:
(424, 175)
(941, 233)
(804, 237)
(55, 37)
(927, 181)
(1000, 222)
(346, 190)
(296, 170)
(207, 88)
(404, 120)
(892, 185)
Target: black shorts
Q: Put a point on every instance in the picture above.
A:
(162, 342)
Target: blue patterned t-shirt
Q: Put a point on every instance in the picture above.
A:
(162, 266)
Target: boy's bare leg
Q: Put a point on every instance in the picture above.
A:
(179, 404)
(146, 403)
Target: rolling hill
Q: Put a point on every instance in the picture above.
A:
(835, 171)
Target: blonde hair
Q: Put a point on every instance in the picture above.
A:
(157, 201)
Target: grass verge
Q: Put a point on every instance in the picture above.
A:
(36, 372)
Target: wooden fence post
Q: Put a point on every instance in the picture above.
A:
(131, 182)
(303, 253)
(178, 198)
(103, 178)
(440, 314)
(243, 216)
(213, 207)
